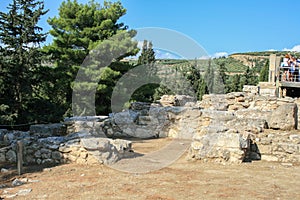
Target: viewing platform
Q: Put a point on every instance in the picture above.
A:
(283, 81)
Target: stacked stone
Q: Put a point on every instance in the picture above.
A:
(283, 146)
(235, 122)
(52, 144)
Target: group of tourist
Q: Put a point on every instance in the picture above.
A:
(291, 70)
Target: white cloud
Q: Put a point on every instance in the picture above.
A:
(215, 55)
(220, 54)
(162, 54)
(295, 48)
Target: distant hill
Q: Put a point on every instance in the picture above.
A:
(236, 63)
(251, 59)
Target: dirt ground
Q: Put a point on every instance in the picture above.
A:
(181, 180)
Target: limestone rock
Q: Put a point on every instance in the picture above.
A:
(223, 146)
(17, 182)
(176, 100)
(124, 118)
(106, 150)
(167, 100)
(284, 117)
(24, 192)
(182, 100)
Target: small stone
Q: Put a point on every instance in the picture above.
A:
(24, 192)
(17, 182)
(3, 170)
(33, 181)
(56, 155)
(10, 196)
(48, 161)
(24, 180)
(287, 164)
(37, 154)
(47, 170)
(3, 186)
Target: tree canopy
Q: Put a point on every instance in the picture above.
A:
(21, 58)
(80, 29)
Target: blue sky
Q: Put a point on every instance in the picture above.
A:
(217, 25)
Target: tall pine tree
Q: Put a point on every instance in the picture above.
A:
(210, 77)
(20, 39)
(146, 93)
(80, 29)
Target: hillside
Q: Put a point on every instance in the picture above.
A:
(252, 59)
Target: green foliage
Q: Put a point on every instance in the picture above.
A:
(81, 30)
(147, 55)
(250, 77)
(20, 60)
(209, 77)
(196, 80)
(234, 83)
(148, 92)
(264, 73)
(6, 118)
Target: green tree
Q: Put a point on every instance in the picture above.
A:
(20, 39)
(209, 77)
(202, 89)
(78, 30)
(197, 81)
(250, 77)
(147, 55)
(233, 84)
(148, 92)
(264, 73)
(220, 78)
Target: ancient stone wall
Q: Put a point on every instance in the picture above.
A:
(53, 144)
(235, 127)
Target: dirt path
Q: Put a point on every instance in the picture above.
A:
(181, 180)
(155, 160)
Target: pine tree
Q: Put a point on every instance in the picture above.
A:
(233, 83)
(20, 37)
(149, 92)
(209, 77)
(250, 77)
(202, 89)
(80, 29)
(147, 55)
(264, 73)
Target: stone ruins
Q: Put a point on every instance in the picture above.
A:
(234, 128)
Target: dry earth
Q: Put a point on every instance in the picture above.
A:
(181, 180)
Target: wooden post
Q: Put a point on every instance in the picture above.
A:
(20, 157)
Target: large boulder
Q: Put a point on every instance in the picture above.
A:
(106, 150)
(176, 100)
(285, 117)
(184, 124)
(221, 146)
(182, 100)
